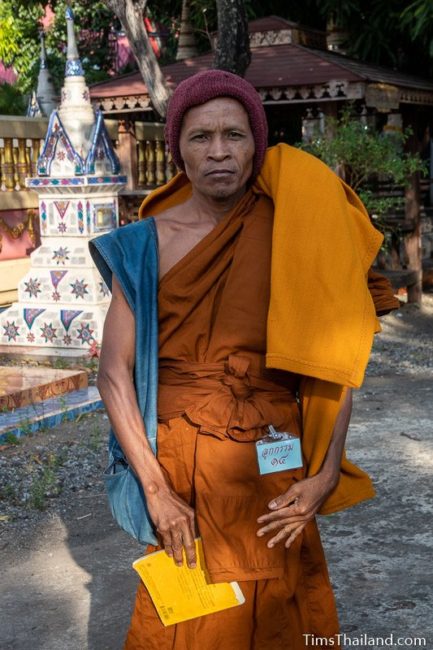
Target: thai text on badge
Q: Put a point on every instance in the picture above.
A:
(278, 452)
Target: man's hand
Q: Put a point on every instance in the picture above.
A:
(174, 521)
(292, 510)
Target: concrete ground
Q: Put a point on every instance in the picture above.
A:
(67, 581)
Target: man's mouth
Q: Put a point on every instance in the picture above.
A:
(220, 173)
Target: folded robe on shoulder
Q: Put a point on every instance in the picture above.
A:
(321, 318)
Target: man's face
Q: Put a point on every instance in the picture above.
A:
(217, 148)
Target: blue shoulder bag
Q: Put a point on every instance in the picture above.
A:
(131, 253)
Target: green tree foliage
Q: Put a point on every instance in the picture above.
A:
(20, 24)
(12, 101)
(19, 34)
(418, 19)
(362, 156)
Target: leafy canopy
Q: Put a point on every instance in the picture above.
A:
(20, 24)
(362, 155)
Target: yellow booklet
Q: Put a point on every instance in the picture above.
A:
(180, 593)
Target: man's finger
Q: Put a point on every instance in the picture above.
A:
(189, 544)
(177, 546)
(285, 499)
(284, 532)
(278, 523)
(166, 543)
(288, 511)
(294, 534)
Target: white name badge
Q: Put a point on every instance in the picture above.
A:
(278, 451)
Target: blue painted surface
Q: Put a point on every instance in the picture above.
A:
(49, 413)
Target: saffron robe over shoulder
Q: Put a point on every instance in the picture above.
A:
(321, 317)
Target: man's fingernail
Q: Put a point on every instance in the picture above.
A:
(192, 565)
(179, 563)
(260, 533)
(273, 504)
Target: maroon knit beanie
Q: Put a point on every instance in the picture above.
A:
(207, 85)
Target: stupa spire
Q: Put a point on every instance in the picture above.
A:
(73, 63)
(44, 100)
(43, 55)
(76, 111)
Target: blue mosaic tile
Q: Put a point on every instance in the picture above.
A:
(49, 413)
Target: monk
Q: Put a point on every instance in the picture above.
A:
(218, 396)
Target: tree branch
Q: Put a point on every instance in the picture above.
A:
(130, 13)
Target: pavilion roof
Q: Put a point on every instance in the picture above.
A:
(288, 71)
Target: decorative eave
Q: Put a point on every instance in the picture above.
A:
(331, 91)
(334, 90)
(128, 103)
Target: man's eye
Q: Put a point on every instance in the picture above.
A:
(235, 135)
(198, 137)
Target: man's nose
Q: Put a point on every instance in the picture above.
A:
(218, 148)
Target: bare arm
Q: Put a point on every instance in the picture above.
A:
(173, 518)
(292, 510)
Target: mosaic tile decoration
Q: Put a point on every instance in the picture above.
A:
(57, 135)
(101, 149)
(49, 413)
(20, 386)
(76, 180)
(76, 326)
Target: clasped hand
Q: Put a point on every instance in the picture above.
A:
(292, 510)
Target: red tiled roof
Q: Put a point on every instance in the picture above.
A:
(277, 65)
(271, 67)
(375, 73)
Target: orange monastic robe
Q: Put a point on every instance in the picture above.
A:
(216, 398)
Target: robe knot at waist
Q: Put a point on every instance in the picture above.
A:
(234, 399)
(236, 377)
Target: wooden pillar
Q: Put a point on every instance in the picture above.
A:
(127, 152)
(412, 241)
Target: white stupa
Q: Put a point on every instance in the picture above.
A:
(44, 99)
(62, 301)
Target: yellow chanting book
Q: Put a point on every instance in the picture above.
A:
(180, 593)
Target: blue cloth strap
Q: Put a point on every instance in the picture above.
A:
(131, 254)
